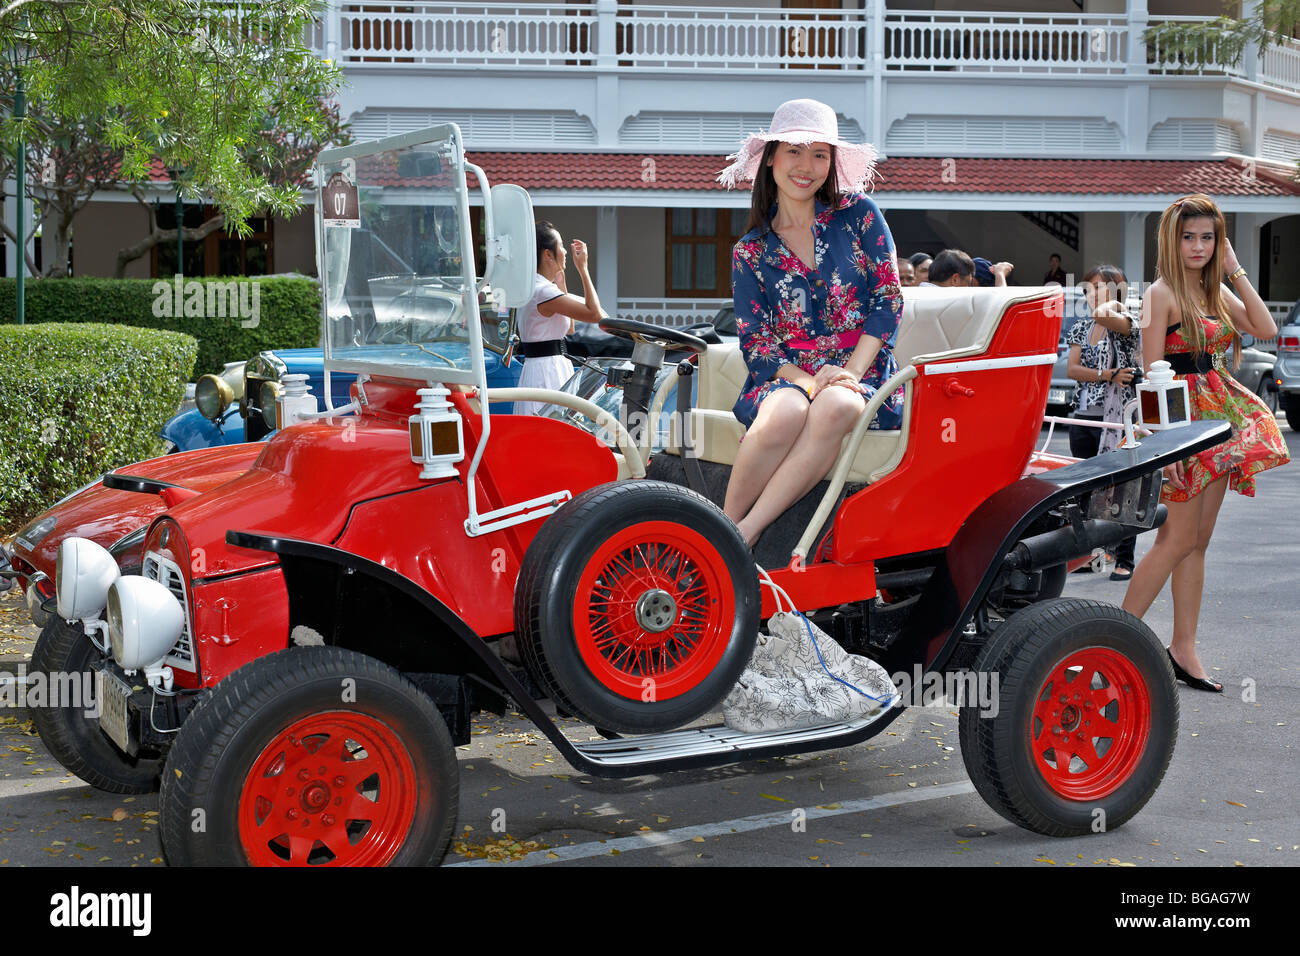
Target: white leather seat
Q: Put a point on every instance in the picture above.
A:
(937, 324)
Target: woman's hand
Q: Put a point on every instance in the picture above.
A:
(829, 375)
(579, 254)
(1230, 263)
(1121, 376)
(1175, 474)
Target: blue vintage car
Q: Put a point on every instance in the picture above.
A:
(239, 404)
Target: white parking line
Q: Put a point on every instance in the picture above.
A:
(643, 841)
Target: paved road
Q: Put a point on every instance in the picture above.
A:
(902, 799)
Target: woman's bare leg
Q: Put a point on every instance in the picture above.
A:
(776, 428)
(1175, 539)
(831, 416)
(1189, 581)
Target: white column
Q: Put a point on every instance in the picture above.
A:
(1246, 240)
(1134, 254)
(876, 59)
(1138, 19)
(607, 258)
(1250, 55)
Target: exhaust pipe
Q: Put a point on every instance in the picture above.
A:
(1072, 541)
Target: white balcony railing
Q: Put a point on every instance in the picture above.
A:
(1281, 65)
(1005, 42)
(739, 39)
(460, 33)
(673, 313)
(583, 35)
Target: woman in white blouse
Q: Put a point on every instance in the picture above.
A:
(549, 315)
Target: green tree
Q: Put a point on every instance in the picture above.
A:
(1223, 41)
(230, 94)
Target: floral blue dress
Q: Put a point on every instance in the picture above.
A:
(787, 313)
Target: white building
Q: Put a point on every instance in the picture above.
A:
(1042, 127)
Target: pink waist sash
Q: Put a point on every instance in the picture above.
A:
(845, 340)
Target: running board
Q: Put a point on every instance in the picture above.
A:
(718, 744)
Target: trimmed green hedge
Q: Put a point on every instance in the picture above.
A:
(78, 400)
(287, 313)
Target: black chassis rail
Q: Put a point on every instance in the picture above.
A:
(290, 550)
(975, 557)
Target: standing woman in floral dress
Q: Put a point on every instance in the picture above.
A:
(817, 308)
(1190, 318)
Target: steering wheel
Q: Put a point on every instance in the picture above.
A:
(667, 339)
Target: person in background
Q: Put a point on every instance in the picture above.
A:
(549, 315)
(906, 274)
(991, 273)
(1105, 353)
(952, 268)
(1055, 274)
(921, 266)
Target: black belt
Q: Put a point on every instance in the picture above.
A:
(1183, 363)
(542, 349)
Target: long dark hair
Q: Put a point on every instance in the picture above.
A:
(764, 193)
(548, 239)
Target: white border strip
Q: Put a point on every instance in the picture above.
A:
(980, 365)
(762, 821)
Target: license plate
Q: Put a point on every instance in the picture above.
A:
(1057, 396)
(111, 694)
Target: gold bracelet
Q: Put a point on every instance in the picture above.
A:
(1241, 271)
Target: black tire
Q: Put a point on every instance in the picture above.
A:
(1006, 751)
(1293, 413)
(74, 739)
(610, 668)
(323, 710)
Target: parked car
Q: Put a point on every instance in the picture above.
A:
(1286, 375)
(307, 642)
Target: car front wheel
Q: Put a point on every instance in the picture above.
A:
(1083, 722)
(309, 757)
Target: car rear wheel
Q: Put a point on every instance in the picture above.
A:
(63, 655)
(1083, 720)
(637, 606)
(314, 756)
(1293, 412)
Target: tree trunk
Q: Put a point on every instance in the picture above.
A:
(157, 237)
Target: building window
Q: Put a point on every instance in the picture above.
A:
(698, 254)
(219, 253)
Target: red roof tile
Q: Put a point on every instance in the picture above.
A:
(907, 174)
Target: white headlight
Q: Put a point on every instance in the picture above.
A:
(82, 575)
(144, 621)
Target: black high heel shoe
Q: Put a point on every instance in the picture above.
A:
(1200, 683)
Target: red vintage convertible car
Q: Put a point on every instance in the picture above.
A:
(311, 630)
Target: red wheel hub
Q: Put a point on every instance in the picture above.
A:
(1090, 723)
(654, 610)
(337, 788)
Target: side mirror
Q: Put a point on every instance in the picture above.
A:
(514, 244)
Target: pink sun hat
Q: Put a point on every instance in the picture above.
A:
(804, 121)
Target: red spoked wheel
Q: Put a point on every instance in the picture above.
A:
(334, 788)
(1090, 723)
(637, 606)
(314, 756)
(658, 610)
(1081, 722)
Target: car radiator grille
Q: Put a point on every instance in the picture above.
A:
(169, 575)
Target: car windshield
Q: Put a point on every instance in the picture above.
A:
(397, 261)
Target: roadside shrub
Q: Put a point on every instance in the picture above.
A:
(288, 311)
(79, 400)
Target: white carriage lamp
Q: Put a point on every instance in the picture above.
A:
(1161, 403)
(437, 436)
(296, 400)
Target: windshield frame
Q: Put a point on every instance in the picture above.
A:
(476, 374)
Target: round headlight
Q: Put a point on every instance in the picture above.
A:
(268, 398)
(211, 396)
(83, 572)
(144, 621)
